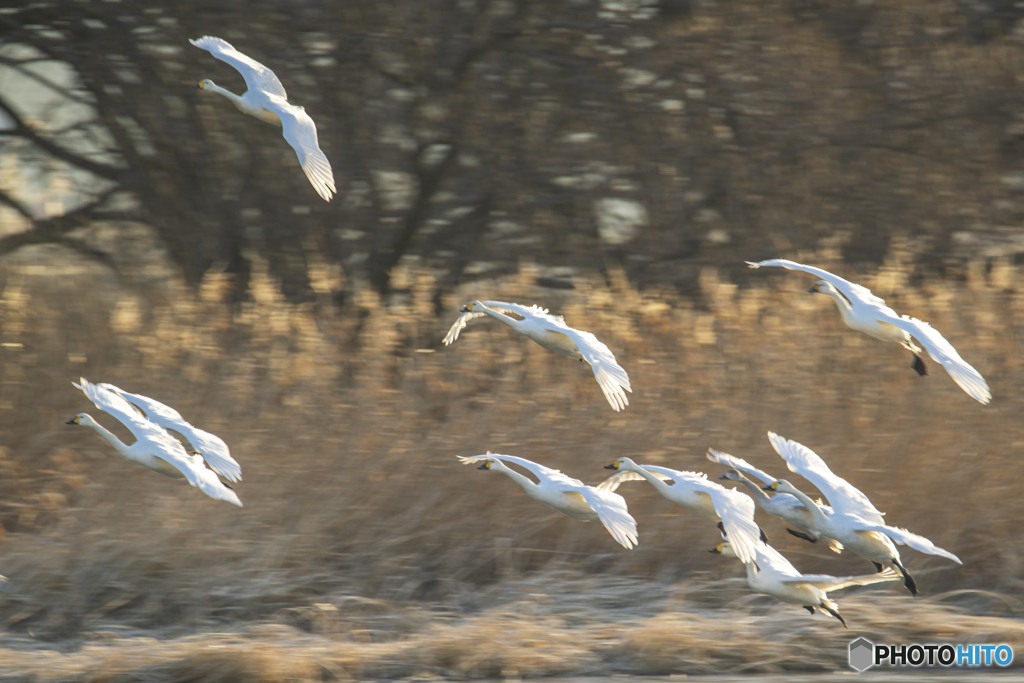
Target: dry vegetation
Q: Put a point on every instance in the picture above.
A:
(364, 550)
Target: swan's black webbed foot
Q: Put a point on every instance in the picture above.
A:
(836, 614)
(908, 580)
(809, 609)
(919, 366)
(800, 534)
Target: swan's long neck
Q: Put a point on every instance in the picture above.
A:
(523, 481)
(820, 520)
(118, 445)
(841, 303)
(655, 481)
(756, 491)
(235, 99)
(508, 320)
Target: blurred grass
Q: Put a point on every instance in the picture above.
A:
(366, 551)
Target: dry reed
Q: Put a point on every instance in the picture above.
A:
(364, 550)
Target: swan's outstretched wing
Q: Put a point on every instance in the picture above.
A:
(114, 405)
(969, 379)
(257, 76)
(851, 290)
(612, 483)
(609, 374)
(540, 471)
(768, 558)
(833, 583)
(459, 325)
(162, 444)
(300, 132)
(611, 508)
(199, 475)
(737, 512)
(741, 465)
(904, 537)
(844, 497)
(210, 446)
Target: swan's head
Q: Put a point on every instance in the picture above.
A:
(780, 486)
(724, 549)
(820, 287)
(732, 475)
(81, 419)
(468, 308)
(621, 464)
(205, 84)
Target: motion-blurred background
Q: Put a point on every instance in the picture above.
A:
(616, 161)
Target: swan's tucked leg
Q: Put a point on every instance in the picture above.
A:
(878, 567)
(919, 366)
(908, 580)
(806, 537)
(836, 614)
(809, 609)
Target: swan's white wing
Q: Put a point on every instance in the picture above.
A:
(540, 471)
(199, 475)
(211, 446)
(851, 290)
(904, 537)
(459, 325)
(162, 444)
(737, 512)
(612, 483)
(969, 379)
(300, 132)
(833, 583)
(609, 374)
(257, 76)
(844, 497)
(611, 508)
(741, 465)
(112, 404)
(768, 558)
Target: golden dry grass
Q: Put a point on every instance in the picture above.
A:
(364, 550)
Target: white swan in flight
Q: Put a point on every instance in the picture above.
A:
(567, 495)
(154, 447)
(782, 505)
(772, 574)
(210, 446)
(854, 521)
(266, 99)
(867, 313)
(553, 334)
(731, 510)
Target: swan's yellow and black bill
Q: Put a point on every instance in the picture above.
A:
(485, 466)
(73, 421)
(717, 549)
(815, 288)
(771, 487)
(614, 465)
